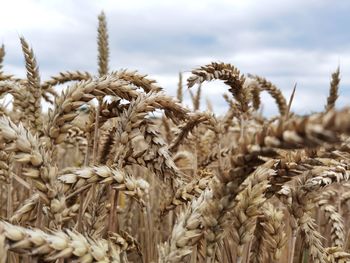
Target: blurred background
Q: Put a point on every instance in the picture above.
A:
(288, 42)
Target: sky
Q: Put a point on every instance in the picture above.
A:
(286, 41)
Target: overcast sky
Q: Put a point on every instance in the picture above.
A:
(287, 41)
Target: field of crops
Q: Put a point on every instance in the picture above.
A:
(118, 171)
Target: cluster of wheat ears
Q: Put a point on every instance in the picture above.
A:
(101, 178)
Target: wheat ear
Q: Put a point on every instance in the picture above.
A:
(179, 92)
(64, 77)
(74, 178)
(34, 111)
(274, 235)
(137, 79)
(274, 92)
(226, 72)
(2, 55)
(337, 255)
(333, 90)
(102, 41)
(57, 245)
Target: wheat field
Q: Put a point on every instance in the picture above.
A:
(101, 178)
